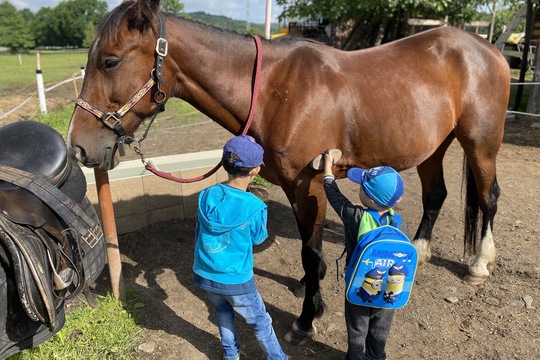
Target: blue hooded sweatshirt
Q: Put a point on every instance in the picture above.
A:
(229, 222)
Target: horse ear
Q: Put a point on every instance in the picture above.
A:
(142, 13)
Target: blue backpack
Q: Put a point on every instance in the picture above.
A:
(382, 267)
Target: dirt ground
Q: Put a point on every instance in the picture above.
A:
(445, 319)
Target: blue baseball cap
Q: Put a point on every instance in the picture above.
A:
(247, 149)
(382, 184)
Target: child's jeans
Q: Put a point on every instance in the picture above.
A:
(367, 331)
(251, 308)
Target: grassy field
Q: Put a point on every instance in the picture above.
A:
(108, 332)
(18, 77)
(19, 73)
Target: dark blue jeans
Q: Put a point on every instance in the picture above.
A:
(251, 308)
(367, 331)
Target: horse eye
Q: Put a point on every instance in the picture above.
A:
(111, 63)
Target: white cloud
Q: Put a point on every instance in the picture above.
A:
(230, 8)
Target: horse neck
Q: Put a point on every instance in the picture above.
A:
(214, 71)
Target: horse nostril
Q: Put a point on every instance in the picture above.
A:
(77, 153)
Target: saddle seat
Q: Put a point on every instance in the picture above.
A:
(40, 150)
(35, 148)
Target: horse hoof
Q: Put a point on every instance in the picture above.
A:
(299, 291)
(297, 337)
(475, 280)
(424, 251)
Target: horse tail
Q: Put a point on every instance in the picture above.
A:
(472, 208)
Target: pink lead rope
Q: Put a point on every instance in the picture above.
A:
(169, 176)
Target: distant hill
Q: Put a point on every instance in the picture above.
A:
(224, 22)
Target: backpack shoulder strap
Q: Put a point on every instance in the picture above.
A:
(371, 219)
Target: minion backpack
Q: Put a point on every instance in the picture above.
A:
(382, 267)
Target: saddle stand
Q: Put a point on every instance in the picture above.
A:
(51, 242)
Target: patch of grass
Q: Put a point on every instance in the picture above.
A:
(108, 332)
(179, 111)
(55, 66)
(514, 73)
(58, 120)
(262, 182)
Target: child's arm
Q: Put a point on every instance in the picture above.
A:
(328, 163)
(341, 205)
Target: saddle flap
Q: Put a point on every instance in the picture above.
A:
(22, 207)
(32, 272)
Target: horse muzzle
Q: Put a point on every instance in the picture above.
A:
(109, 161)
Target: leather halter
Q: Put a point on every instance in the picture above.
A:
(113, 120)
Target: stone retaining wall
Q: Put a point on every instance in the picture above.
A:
(141, 198)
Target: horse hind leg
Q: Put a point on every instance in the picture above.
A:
(433, 195)
(486, 200)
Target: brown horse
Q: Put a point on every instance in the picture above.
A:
(399, 104)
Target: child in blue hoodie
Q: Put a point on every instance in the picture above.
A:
(230, 220)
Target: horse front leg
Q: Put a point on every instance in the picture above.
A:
(309, 206)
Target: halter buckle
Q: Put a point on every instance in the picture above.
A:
(162, 47)
(113, 120)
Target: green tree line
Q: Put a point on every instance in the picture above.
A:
(69, 24)
(359, 23)
(365, 23)
(72, 23)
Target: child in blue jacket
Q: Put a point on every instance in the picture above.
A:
(230, 221)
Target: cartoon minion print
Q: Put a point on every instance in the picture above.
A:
(396, 280)
(371, 287)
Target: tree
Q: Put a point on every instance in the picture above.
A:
(69, 23)
(369, 22)
(173, 7)
(15, 31)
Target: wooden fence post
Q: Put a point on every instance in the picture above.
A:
(109, 230)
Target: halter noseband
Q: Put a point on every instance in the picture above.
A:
(113, 120)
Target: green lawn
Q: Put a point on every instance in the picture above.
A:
(55, 66)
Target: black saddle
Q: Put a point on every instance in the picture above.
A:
(51, 242)
(35, 148)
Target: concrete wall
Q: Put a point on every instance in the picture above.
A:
(141, 198)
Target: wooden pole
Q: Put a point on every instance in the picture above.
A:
(525, 55)
(268, 19)
(75, 85)
(40, 86)
(109, 230)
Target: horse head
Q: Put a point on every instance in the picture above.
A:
(123, 85)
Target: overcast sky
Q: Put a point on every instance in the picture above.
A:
(235, 9)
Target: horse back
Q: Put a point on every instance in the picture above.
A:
(393, 104)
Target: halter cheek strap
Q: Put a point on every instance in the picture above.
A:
(113, 120)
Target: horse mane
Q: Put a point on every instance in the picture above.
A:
(215, 29)
(108, 26)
